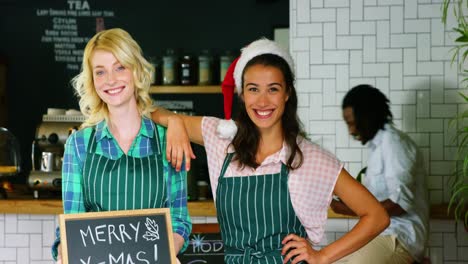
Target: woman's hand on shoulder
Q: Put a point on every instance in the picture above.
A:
(297, 249)
(178, 145)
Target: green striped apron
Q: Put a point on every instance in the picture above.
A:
(123, 184)
(255, 213)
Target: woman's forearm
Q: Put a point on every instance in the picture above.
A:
(178, 242)
(373, 218)
(184, 125)
(368, 227)
(161, 116)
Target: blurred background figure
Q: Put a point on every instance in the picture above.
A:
(395, 175)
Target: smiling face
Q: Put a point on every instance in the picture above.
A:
(112, 81)
(265, 96)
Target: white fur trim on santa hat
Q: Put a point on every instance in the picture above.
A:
(226, 129)
(259, 47)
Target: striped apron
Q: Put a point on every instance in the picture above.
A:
(123, 184)
(255, 213)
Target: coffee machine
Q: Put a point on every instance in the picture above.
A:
(47, 152)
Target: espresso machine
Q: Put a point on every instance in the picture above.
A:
(47, 152)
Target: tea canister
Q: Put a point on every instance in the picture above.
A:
(187, 70)
(169, 68)
(205, 68)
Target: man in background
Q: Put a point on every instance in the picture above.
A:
(395, 176)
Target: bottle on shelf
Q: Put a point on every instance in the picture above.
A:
(205, 68)
(187, 70)
(169, 68)
(225, 61)
(157, 74)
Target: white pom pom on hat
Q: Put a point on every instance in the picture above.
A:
(227, 129)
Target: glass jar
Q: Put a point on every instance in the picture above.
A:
(10, 160)
(225, 61)
(187, 70)
(169, 68)
(203, 190)
(205, 68)
(9, 153)
(157, 74)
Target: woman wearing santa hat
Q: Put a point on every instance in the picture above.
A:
(272, 187)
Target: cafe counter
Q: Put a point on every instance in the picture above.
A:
(196, 208)
(27, 227)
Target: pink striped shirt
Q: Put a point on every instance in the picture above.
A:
(310, 186)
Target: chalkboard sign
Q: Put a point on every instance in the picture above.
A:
(204, 248)
(135, 236)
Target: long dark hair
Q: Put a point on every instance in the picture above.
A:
(371, 110)
(247, 139)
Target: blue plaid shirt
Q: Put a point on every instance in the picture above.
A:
(75, 156)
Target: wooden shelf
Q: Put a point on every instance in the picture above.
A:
(185, 89)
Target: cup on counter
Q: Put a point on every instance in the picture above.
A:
(202, 190)
(48, 161)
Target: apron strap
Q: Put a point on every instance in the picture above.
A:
(248, 253)
(169, 187)
(226, 162)
(92, 143)
(156, 146)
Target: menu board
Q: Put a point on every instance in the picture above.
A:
(63, 32)
(204, 248)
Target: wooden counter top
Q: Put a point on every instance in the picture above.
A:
(54, 206)
(196, 208)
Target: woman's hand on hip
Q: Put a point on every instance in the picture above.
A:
(297, 249)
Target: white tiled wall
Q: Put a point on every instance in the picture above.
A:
(402, 48)
(27, 239)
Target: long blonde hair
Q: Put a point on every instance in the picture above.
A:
(129, 54)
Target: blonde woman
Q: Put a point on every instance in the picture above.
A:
(116, 161)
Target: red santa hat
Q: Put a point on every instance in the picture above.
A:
(233, 79)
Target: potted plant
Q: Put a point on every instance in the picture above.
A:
(459, 197)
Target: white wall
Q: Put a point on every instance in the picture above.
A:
(402, 48)
(26, 239)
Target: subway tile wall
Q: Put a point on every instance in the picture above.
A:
(26, 239)
(402, 48)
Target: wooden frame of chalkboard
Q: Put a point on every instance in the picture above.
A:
(128, 236)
